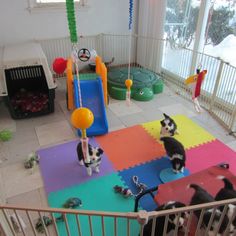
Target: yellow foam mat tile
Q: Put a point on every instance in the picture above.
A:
(190, 134)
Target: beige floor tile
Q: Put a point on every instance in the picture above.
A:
(133, 119)
(121, 108)
(54, 133)
(113, 128)
(232, 145)
(18, 180)
(176, 109)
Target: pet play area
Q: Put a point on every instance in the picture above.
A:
(133, 151)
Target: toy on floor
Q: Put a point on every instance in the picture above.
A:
(47, 221)
(72, 203)
(5, 135)
(17, 223)
(95, 154)
(39, 224)
(126, 192)
(196, 81)
(168, 126)
(31, 161)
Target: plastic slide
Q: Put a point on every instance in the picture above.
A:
(92, 98)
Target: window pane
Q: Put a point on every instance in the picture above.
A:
(180, 28)
(52, 1)
(220, 40)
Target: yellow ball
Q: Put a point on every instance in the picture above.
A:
(82, 118)
(128, 83)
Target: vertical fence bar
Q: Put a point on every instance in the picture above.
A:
(90, 225)
(54, 224)
(44, 226)
(103, 226)
(19, 222)
(78, 224)
(213, 97)
(128, 227)
(154, 226)
(8, 222)
(31, 222)
(115, 226)
(67, 225)
(187, 229)
(199, 224)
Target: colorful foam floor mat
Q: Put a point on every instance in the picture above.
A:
(127, 152)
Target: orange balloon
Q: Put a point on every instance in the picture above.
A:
(82, 118)
(128, 83)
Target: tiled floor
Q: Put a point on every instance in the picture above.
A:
(20, 186)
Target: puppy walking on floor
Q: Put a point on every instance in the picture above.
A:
(175, 151)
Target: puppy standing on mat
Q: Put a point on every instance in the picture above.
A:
(175, 151)
(94, 155)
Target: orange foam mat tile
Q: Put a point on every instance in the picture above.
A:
(129, 147)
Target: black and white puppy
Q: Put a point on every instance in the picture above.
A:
(175, 151)
(202, 196)
(94, 157)
(227, 192)
(168, 126)
(160, 221)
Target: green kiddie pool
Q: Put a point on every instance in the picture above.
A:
(145, 83)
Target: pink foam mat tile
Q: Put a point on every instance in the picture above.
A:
(210, 154)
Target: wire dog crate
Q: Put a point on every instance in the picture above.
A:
(28, 85)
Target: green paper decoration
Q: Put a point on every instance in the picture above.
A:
(70, 8)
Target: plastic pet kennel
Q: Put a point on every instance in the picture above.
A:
(27, 83)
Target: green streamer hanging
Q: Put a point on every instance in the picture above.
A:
(70, 8)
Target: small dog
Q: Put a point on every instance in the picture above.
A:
(94, 158)
(168, 126)
(227, 192)
(175, 151)
(160, 221)
(202, 196)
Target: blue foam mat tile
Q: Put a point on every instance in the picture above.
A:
(148, 174)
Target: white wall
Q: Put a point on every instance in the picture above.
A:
(17, 24)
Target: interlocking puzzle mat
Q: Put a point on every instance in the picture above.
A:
(127, 152)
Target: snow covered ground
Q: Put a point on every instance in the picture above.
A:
(225, 50)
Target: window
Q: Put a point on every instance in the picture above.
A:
(54, 4)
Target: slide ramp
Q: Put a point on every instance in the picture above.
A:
(92, 98)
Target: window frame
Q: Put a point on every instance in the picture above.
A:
(33, 5)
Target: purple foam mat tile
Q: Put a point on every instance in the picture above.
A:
(60, 167)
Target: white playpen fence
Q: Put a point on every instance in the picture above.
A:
(219, 88)
(26, 218)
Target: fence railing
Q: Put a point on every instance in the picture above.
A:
(190, 220)
(218, 90)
